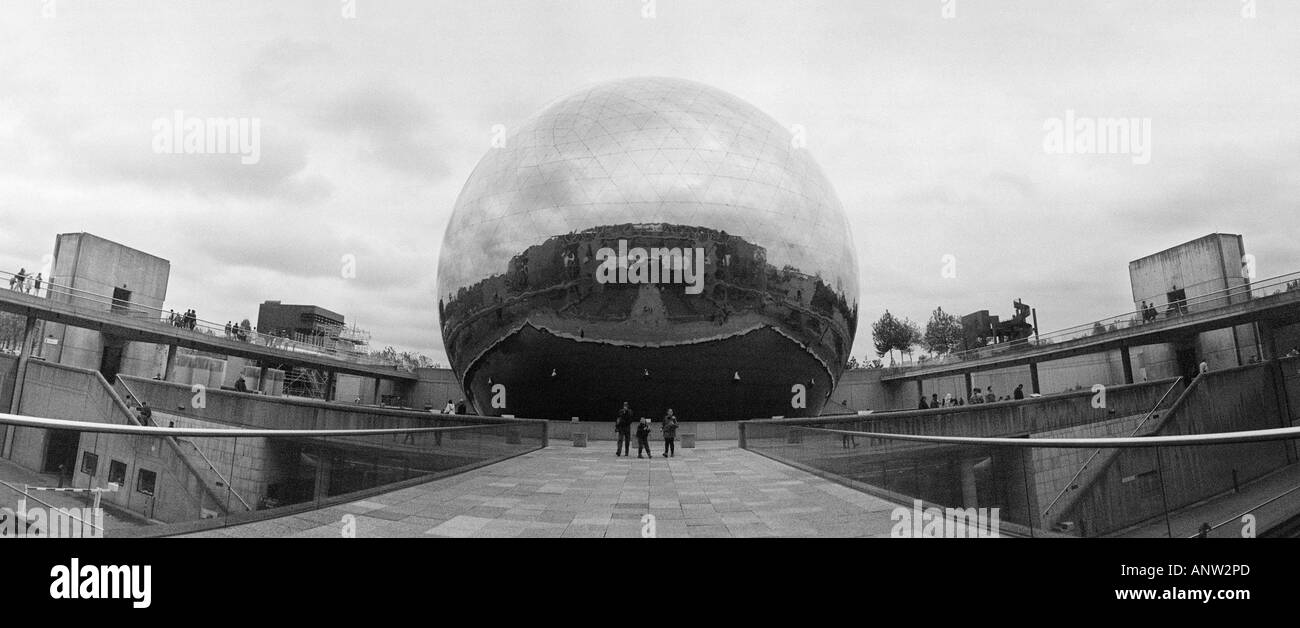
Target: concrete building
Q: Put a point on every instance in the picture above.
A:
(304, 323)
(86, 265)
(1193, 277)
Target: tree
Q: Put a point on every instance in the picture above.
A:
(943, 333)
(890, 333)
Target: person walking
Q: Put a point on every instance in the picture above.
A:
(37, 292)
(21, 279)
(623, 429)
(1020, 392)
(934, 401)
(670, 434)
(643, 438)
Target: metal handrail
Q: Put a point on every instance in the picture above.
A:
(1218, 438)
(1097, 452)
(267, 340)
(1237, 517)
(229, 485)
(113, 428)
(1247, 289)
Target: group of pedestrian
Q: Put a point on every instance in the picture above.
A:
(237, 331)
(25, 283)
(1149, 312)
(623, 430)
(979, 396)
(188, 320)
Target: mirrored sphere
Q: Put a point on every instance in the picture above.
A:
(653, 241)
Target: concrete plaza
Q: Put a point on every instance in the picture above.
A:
(715, 490)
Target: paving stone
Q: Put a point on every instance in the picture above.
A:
(717, 490)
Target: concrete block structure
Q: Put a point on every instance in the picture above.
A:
(1188, 278)
(84, 265)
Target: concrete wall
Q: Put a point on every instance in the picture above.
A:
(56, 392)
(258, 411)
(1008, 418)
(1081, 372)
(1128, 486)
(604, 430)
(61, 392)
(179, 493)
(194, 368)
(1054, 468)
(861, 389)
(435, 387)
(249, 464)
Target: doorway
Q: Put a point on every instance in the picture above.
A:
(121, 300)
(110, 362)
(61, 450)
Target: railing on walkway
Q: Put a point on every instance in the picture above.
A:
(282, 471)
(1289, 282)
(1160, 489)
(73, 296)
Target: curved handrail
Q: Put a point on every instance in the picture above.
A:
(262, 339)
(1132, 318)
(1219, 438)
(113, 428)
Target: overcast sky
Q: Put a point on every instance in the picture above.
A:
(927, 116)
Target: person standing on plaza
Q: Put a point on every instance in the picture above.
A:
(623, 429)
(670, 434)
(643, 438)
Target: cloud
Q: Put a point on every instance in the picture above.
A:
(392, 126)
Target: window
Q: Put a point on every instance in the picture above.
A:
(117, 472)
(89, 463)
(146, 481)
